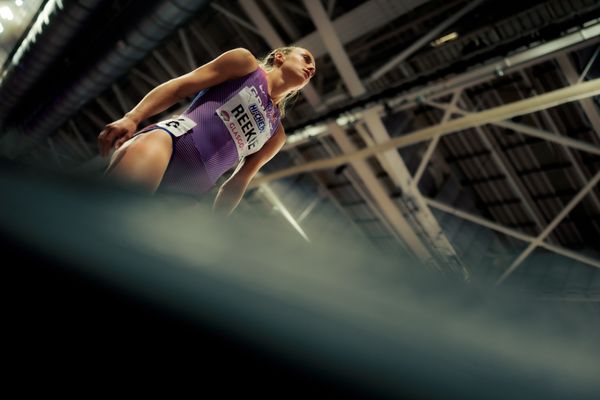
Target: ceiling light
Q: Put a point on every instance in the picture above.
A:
(440, 41)
(6, 13)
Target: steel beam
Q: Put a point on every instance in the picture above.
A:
(577, 169)
(233, 17)
(421, 42)
(381, 197)
(591, 62)
(390, 160)
(362, 192)
(531, 131)
(335, 47)
(80, 138)
(540, 238)
(448, 111)
(165, 64)
(108, 108)
(400, 175)
(189, 55)
(124, 102)
(503, 165)
(70, 143)
(210, 48)
(286, 23)
(526, 106)
(309, 209)
(511, 232)
(99, 123)
(544, 52)
(589, 108)
(516, 62)
(145, 77)
(267, 192)
(361, 20)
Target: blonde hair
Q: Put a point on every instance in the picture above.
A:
(267, 63)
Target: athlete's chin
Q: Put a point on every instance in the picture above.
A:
(302, 83)
(295, 82)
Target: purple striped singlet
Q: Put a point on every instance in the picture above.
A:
(208, 150)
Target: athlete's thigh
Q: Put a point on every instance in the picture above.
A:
(149, 150)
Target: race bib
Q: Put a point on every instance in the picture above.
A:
(178, 125)
(246, 120)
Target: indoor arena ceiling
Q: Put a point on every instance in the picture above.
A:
(464, 179)
(15, 19)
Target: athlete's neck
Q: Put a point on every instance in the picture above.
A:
(277, 86)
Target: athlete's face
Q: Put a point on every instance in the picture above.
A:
(298, 67)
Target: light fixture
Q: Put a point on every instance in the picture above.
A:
(444, 39)
(19, 3)
(6, 13)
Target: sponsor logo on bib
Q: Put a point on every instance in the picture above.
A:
(258, 117)
(224, 115)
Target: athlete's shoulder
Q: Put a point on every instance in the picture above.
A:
(239, 61)
(243, 54)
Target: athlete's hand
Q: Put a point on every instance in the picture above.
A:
(115, 134)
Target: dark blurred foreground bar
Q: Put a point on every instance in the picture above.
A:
(112, 288)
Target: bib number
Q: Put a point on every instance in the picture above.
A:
(178, 125)
(246, 120)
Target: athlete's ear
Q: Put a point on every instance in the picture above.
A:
(279, 58)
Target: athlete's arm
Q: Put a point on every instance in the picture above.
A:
(231, 192)
(229, 65)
